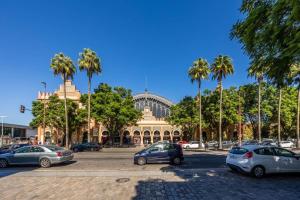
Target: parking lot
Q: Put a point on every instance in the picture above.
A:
(111, 174)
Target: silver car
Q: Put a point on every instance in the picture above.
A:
(260, 160)
(44, 156)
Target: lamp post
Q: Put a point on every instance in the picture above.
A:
(2, 118)
(44, 114)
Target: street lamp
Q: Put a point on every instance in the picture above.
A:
(44, 114)
(2, 118)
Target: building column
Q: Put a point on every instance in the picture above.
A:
(151, 134)
(171, 135)
(12, 132)
(99, 134)
(142, 136)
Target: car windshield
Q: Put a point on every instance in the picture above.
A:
(54, 148)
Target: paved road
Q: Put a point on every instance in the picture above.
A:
(112, 175)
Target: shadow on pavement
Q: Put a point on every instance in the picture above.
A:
(218, 183)
(14, 169)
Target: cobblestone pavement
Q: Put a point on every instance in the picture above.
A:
(138, 183)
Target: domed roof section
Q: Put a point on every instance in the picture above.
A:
(151, 96)
(159, 106)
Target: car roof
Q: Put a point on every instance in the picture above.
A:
(253, 147)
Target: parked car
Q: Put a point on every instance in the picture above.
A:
(11, 147)
(225, 144)
(44, 156)
(90, 146)
(286, 144)
(192, 145)
(269, 142)
(212, 144)
(160, 153)
(260, 160)
(250, 142)
(182, 142)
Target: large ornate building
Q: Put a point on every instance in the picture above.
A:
(151, 128)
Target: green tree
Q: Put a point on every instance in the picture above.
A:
(90, 62)
(211, 109)
(114, 108)
(184, 115)
(55, 116)
(63, 65)
(259, 77)
(197, 72)
(221, 67)
(269, 33)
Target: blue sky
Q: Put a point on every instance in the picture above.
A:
(157, 39)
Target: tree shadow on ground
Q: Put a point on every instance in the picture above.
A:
(216, 183)
(14, 169)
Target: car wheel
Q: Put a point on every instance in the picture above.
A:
(187, 147)
(45, 163)
(75, 150)
(141, 161)
(3, 163)
(258, 171)
(176, 161)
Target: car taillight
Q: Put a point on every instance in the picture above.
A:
(59, 154)
(248, 155)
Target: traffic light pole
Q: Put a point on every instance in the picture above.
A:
(2, 118)
(44, 114)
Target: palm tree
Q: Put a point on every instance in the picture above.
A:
(197, 72)
(221, 67)
(90, 62)
(63, 65)
(252, 71)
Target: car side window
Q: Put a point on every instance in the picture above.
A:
(283, 152)
(23, 150)
(264, 151)
(36, 149)
(168, 147)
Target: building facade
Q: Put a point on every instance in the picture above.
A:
(151, 128)
(14, 133)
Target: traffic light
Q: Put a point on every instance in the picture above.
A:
(22, 109)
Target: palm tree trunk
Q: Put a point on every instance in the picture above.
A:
(66, 113)
(200, 117)
(279, 112)
(259, 112)
(89, 109)
(298, 119)
(220, 119)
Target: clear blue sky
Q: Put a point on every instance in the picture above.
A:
(134, 38)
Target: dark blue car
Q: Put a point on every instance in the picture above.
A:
(160, 153)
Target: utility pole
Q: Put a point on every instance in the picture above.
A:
(44, 114)
(240, 121)
(2, 118)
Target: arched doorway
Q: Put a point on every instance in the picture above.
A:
(85, 137)
(167, 136)
(48, 138)
(156, 136)
(147, 137)
(176, 136)
(126, 137)
(136, 137)
(104, 138)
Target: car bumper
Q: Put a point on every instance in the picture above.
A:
(62, 159)
(242, 165)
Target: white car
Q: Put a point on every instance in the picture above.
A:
(260, 160)
(286, 144)
(192, 145)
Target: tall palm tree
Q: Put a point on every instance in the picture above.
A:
(258, 74)
(90, 62)
(197, 72)
(221, 67)
(63, 65)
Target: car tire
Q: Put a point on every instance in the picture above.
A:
(45, 163)
(176, 161)
(3, 163)
(258, 171)
(141, 161)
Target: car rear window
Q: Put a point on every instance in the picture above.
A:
(54, 148)
(238, 150)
